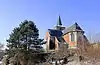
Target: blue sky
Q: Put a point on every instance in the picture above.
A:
(45, 13)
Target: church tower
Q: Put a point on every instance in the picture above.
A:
(59, 24)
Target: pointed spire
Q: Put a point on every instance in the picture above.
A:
(59, 23)
(76, 24)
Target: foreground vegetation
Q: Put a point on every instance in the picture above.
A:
(90, 57)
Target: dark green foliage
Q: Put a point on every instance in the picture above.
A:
(24, 40)
(24, 36)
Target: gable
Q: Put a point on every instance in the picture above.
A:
(74, 27)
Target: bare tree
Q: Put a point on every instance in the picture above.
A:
(58, 55)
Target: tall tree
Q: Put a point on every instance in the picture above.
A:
(23, 41)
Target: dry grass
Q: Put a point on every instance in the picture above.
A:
(92, 53)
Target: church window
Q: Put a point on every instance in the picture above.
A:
(72, 37)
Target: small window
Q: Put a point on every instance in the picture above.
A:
(72, 37)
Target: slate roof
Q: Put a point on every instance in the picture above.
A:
(54, 32)
(74, 27)
(85, 38)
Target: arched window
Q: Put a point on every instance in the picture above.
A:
(72, 37)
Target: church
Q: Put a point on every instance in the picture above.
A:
(72, 36)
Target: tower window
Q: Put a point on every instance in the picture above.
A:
(72, 37)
